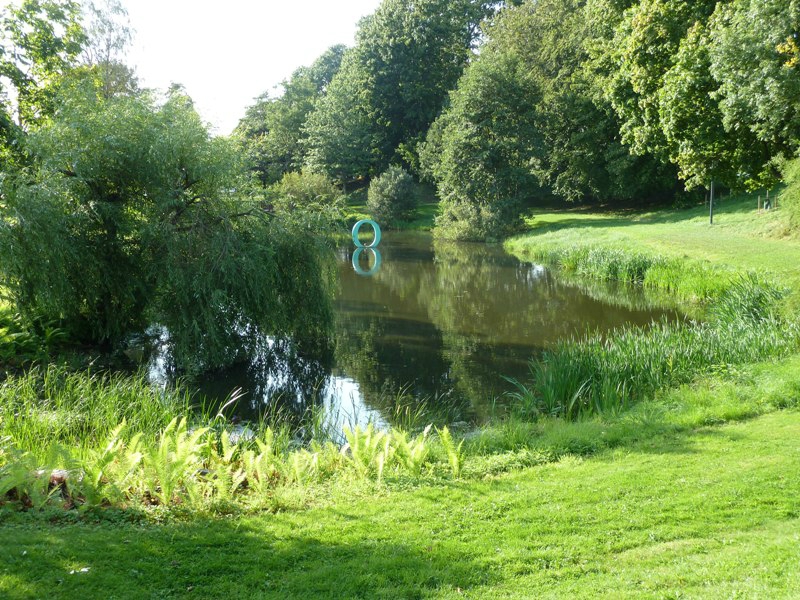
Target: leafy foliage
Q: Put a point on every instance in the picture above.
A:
(392, 85)
(308, 202)
(134, 214)
(709, 86)
(391, 196)
(483, 148)
(755, 59)
(340, 133)
(271, 131)
(39, 42)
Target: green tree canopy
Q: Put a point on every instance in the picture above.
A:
(711, 86)
(480, 150)
(392, 85)
(755, 57)
(39, 41)
(133, 214)
(525, 123)
(633, 60)
(272, 129)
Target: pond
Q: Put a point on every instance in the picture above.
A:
(438, 323)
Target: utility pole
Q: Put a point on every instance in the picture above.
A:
(711, 204)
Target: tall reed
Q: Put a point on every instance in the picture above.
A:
(601, 374)
(53, 405)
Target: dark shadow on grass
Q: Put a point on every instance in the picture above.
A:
(221, 558)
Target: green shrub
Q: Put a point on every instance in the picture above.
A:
(790, 198)
(305, 191)
(477, 222)
(391, 197)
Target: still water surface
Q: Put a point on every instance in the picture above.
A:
(437, 321)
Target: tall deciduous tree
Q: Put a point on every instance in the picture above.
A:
(697, 139)
(710, 86)
(39, 41)
(109, 34)
(480, 150)
(634, 59)
(340, 135)
(272, 129)
(525, 121)
(755, 57)
(582, 157)
(408, 55)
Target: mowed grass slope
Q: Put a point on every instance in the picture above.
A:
(741, 237)
(708, 515)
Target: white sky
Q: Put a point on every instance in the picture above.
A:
(228, 52)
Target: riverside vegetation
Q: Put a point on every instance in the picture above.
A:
(128, 457)
(647, 462)
(131, 436)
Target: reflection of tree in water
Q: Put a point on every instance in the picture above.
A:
(280, 378)
(455, 318)
(394, 370)
(493, 311)
(282, 373)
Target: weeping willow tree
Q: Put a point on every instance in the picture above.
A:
(130, 213)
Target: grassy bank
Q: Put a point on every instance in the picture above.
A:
(675, 250)
(110, 440)
(737, 273)
(708, 515)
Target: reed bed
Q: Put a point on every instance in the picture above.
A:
(48, 405)
(607, 374)
(696, 282)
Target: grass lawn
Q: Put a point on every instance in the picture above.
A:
(707, 515)
(741, 236)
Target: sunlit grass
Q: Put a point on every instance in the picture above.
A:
(52, 405)
(741, 238)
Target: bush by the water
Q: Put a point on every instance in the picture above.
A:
(391, 197)
(468, 222)
(790, 197)
(305, 190)
(132, 213)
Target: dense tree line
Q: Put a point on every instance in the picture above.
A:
(507, 104)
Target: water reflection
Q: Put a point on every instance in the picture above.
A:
(370, 256)
(440, 321)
